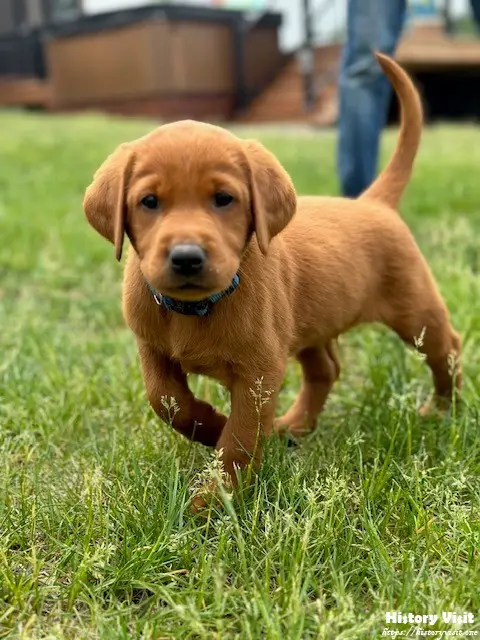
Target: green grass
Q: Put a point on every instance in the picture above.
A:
(377, 510)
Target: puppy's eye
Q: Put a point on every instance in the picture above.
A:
(150, 202)
(222, 199)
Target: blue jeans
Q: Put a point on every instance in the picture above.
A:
(364, 90)
(475, 6)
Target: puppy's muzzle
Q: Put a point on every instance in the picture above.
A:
(187, 260)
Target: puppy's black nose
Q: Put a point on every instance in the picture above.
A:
(187, 259)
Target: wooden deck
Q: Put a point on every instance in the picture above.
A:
(437, 51)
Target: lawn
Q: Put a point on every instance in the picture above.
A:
(378, 510)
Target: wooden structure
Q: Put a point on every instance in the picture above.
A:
(432, 48)
(283, 99)
(428, 53)
(25, 92)
(166, 61)
(171, 61)
(174, 64)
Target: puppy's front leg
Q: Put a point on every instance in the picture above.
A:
(164, 379)
(253, 403)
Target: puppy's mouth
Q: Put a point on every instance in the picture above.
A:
(188, 290)
(192, 286)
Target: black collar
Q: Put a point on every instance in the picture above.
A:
(198, 308)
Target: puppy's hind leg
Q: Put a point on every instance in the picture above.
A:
(320, 369)
(417, 313)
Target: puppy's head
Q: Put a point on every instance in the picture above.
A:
(189, 196)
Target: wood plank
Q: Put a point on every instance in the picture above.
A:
(440, 51)
(23, 92)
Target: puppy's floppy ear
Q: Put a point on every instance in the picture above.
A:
(272, 194)
(105, 199)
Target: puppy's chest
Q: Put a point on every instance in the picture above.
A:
(200, 347)
(202, 359)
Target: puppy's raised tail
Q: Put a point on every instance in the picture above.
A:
(391, 182)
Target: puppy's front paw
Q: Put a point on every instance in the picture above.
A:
(210, 496)
(292, 427)
(212, 485)
(429, 410)
(199, 503)
(437, 407)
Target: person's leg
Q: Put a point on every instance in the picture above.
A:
(363, 89)
(475, 5)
